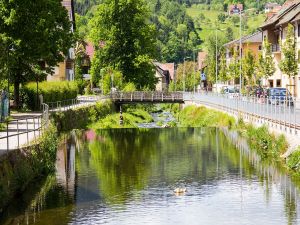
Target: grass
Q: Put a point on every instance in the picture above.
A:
(254, 21)
(193, 116)
(130, 120)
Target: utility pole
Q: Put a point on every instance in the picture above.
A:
(184, 74)
(216, 58)
(194, 70)
(240, 51)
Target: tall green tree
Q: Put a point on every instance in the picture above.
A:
(289, 64)
(124, 26)
(234, 66)
(249, 67)
(35, 35)
(223, 70)
(266, 66)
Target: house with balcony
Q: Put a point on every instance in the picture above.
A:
(252, 42)
(66, 70)
(275, 30)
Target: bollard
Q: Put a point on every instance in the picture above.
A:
(27, 130)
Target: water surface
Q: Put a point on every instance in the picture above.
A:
(127, 176)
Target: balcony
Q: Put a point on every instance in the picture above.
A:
(275, 48)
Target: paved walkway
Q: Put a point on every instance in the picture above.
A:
(28, 122)
(21, 123)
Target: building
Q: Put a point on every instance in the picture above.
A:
(271, 7)
(201, 60)
(235, 9)
(164, 72)
(275, 30)
(66, 70)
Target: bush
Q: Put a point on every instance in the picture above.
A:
(266, 144)
(293, 161)
(52, 92)
(20, 167)
(81, 117)
(193, 116)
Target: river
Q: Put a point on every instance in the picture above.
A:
(127, 176)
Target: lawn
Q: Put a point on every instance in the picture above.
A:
(207, 26)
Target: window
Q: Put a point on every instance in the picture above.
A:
(278, 83)
(271, 83)
(259, 47)
(298, 30)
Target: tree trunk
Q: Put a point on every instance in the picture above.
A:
(17, 94)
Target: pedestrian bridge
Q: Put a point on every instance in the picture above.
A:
(146, 97)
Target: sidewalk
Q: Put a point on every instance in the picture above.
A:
(25, 123)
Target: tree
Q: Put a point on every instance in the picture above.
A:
(223, 72)
(289, 64)
(39, 33)
(129, 40)
(229, 34)
(248, 68)
(266, 67)
(234, 66)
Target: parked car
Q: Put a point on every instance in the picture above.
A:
(230, 91)
(278, 96)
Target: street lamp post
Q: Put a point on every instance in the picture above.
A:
(241, 51)
(184, 72)
(10, 47)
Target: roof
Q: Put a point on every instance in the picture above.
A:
(289, 16)
(252, 38)
(287, 7)
(201, 60)
(162, 67)
(271, 5)
(90, 50)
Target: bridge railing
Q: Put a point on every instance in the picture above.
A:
(141, 96)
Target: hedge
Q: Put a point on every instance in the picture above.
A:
(52, 92)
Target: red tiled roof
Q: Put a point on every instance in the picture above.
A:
(201, 60)
(90, 50)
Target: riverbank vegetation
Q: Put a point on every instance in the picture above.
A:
(131, 118)
(193, 116)
(19, 168)
(266, 143)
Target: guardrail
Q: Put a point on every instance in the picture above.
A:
(274, 111)
(19, 132)
(139, 96)
(73, 103)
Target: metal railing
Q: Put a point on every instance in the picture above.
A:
(73, 103)
(275, 111)
(139, 96)
(20, 132)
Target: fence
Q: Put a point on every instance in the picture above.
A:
(139, 96)
(20, 132)
(275, 111)
(73, 103)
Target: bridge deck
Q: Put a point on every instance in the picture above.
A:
(147, 97)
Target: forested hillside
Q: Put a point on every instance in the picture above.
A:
(185, 26)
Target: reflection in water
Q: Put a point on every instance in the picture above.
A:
(127, 176)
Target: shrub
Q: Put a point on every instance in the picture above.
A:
(293, 161)
(52, 92)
